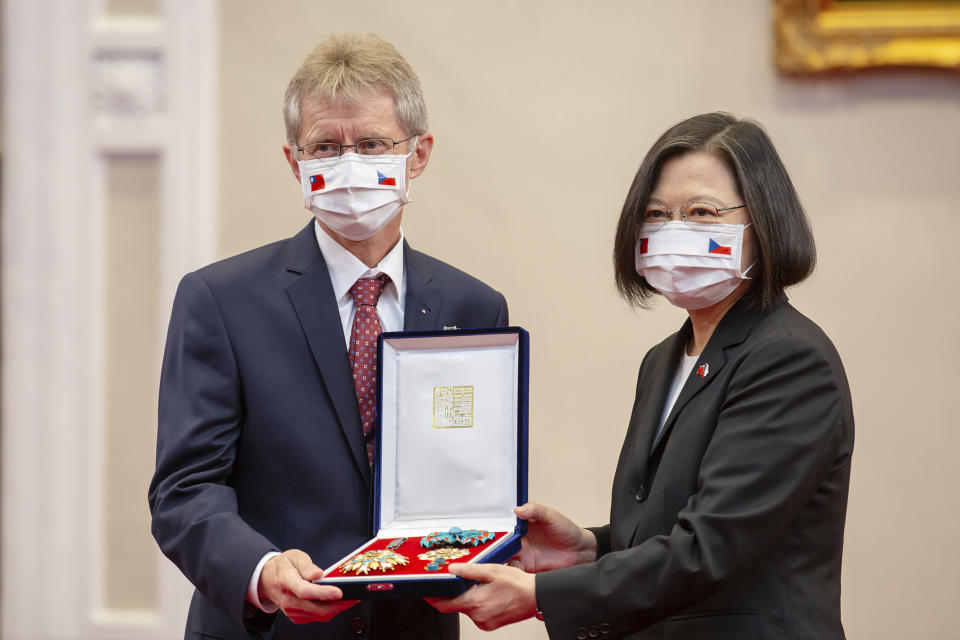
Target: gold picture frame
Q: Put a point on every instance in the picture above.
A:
(815, 36)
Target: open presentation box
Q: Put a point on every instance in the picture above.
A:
(451, 452)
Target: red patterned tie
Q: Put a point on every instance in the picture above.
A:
(363, 351)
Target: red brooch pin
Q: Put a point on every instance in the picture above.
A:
(703, 370)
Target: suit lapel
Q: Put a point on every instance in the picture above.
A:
(316, 306)
(662, 373)
(421, 310)
(732, 330)
(633, 468)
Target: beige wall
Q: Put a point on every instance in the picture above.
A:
(542, 111)
(133, 195)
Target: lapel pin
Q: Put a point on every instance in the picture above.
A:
(703, 370)
(423, 311)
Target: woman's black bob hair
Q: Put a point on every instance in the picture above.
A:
(786, 252)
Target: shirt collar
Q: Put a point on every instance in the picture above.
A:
(345, 268)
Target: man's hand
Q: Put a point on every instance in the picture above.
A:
(507, 595)
(286, 582)
(553, 541)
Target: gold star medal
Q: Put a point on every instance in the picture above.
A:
(376, 560)
(445, 553)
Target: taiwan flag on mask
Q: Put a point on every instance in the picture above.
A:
(316, 182)
(384, 180)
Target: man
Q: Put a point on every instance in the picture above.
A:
(264, 449)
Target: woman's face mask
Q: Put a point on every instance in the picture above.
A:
(692, 265)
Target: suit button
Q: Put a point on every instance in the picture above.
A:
(359, 627)
(640, 493)
(605, 628)
(582, 633)
(594, 632)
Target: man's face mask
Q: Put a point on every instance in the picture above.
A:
(355, 195)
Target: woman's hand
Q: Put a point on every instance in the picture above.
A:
(553, 541)
(505, 595)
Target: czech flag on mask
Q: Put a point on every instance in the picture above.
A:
(715, 247)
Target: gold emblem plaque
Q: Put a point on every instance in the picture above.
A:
(453, 407)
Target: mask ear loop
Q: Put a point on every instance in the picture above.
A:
(413, 146)
(744, 276)
(406, 168)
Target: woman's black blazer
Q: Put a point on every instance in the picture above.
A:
(729, 524)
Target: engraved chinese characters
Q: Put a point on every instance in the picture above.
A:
(452, 407)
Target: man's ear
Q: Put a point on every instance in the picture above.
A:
(291, 157)
(421, 154)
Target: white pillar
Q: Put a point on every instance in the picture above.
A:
(80, 85)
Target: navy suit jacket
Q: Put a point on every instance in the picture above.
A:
(259, 446)
(729, 524)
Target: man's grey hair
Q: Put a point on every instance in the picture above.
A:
(347, 68)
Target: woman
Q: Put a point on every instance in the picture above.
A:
(730, 494)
